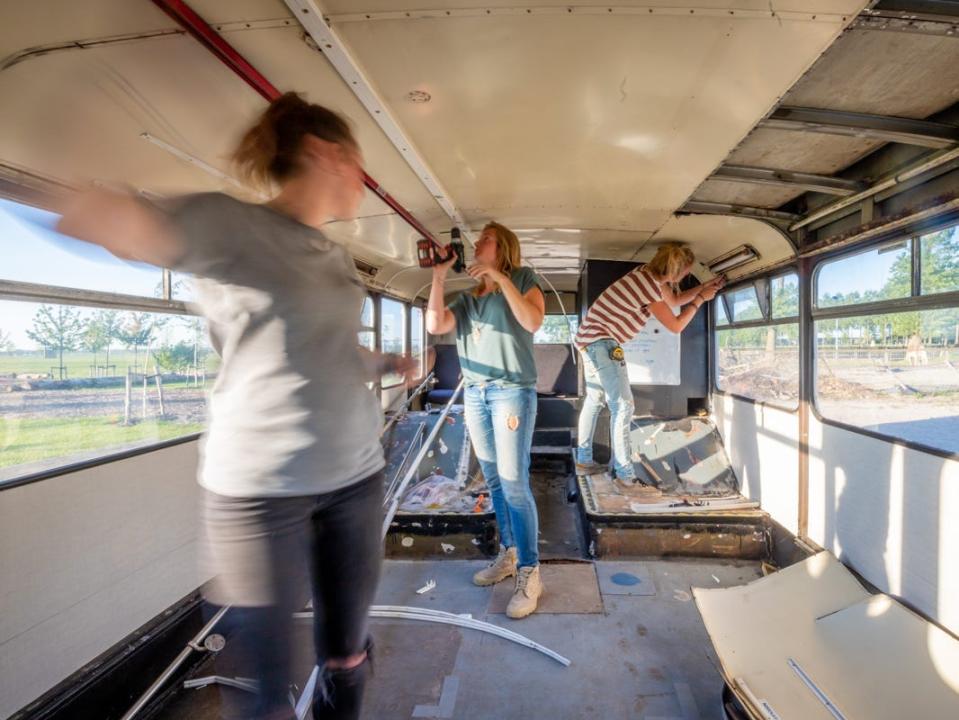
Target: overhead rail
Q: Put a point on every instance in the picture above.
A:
(884, 128)
(199, 29)
(329, 43)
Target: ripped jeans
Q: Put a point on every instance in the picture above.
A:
(500, 422)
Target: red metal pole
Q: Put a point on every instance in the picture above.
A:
(196, 26)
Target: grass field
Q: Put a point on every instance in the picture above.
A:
(78, 364)
(31, 440)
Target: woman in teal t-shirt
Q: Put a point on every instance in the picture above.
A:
(494, 339)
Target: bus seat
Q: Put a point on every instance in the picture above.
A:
(446, 370)
(556, 370)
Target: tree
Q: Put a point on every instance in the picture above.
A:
(112, 325)
(6, 344)
(138, 331)
(57, 329)
(95, 338)
(174, 357)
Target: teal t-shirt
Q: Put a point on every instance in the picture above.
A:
(492, 345)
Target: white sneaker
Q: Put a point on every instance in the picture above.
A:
(502, 567)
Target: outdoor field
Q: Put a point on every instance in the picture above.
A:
(48, 422)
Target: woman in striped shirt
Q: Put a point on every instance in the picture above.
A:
(616, 317)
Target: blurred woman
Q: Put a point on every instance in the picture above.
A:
(291, 461)
(494, 327)
(616, 317)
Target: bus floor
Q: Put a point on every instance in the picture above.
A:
(635, 656)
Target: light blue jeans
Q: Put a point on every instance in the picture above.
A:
(500, 422)
(607, 382)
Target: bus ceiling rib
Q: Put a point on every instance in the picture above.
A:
(200, 30)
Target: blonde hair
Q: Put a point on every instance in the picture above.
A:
(670, 260)
(270, 150)
(507, 249)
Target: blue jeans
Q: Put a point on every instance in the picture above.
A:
(500, 422)
(607, 382)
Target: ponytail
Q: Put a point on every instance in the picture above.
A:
(269, 151)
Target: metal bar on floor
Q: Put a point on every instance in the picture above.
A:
(394, 501)
(193, 646)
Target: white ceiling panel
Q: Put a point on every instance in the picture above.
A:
(587, 119)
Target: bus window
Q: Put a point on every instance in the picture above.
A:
(939, 263)
(392, 334)
(761, 360)
(81, 383)
(881, 273)
(367, 334)
(892, 372)
(556, 329)
(744, 304)
(34, 252)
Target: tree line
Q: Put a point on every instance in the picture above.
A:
(59, 329)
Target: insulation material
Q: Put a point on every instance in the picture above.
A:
(809, 642)
(684, 467)
(448, 478)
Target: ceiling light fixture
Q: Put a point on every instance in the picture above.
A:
(733, 259)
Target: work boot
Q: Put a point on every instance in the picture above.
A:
(590, 468)
(526, 595)
(502, 567)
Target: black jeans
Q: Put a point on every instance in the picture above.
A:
(270, 555)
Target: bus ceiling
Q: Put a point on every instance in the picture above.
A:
(594, 131)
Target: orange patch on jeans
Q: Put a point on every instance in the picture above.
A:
(512, 422)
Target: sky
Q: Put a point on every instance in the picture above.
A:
(31, 251)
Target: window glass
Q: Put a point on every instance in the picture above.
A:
(392, 333)
(64, 390)
(417, 336)
(744, 305)
(784, 291)
(881, 273)
(33, 251)
(893, 374)
(761, 363)
(720, 308)
(182, 286)
(367, 336)
(939, 253)
(556, 329)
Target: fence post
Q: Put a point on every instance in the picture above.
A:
(127, 396)
(159, 382)
(144, 393)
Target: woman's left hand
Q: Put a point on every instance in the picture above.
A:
(480, 271)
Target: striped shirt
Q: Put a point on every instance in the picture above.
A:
(622, 310)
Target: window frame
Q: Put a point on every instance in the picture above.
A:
(764, 283)
(914, 302)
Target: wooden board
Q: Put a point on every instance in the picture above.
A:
(867, 655)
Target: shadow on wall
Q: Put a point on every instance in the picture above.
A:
(746, 440)
(882, 514)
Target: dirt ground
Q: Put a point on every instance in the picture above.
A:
(184, 404)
